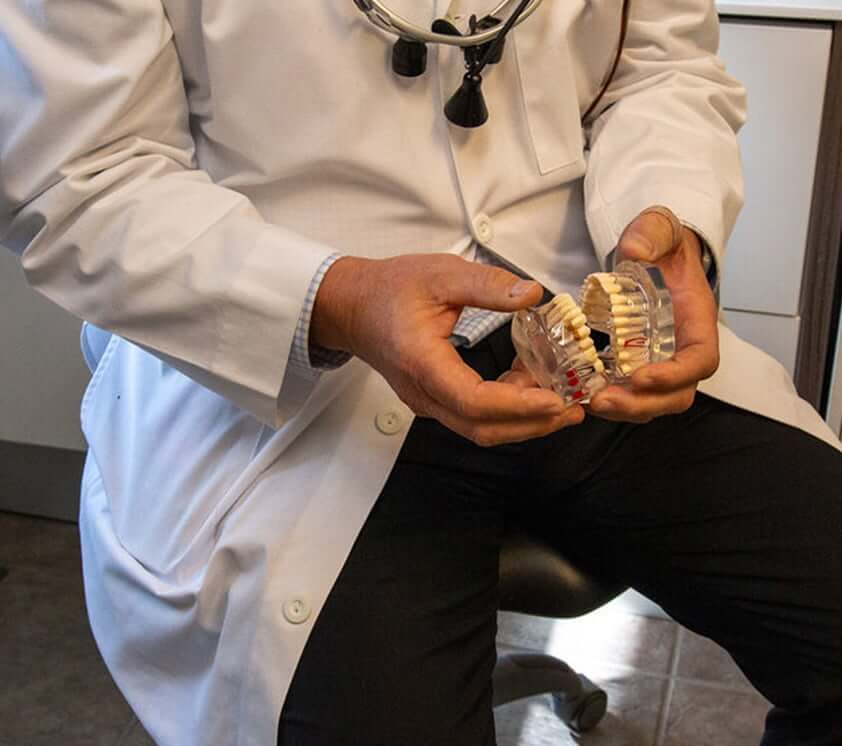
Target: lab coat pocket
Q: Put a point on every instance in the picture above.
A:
(169, 452)
(550, 98)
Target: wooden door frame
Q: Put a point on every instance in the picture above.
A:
(822, 278)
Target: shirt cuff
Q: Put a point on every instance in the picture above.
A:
(710, 266)
(308, 360)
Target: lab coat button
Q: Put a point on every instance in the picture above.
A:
(389, 423)
(296, 611)
(483, 229)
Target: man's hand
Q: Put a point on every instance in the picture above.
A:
(397, 315)
(668, 387)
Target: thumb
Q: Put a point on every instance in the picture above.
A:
(652, 235)
(490, 287)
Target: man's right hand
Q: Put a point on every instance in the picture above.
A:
(397, 315)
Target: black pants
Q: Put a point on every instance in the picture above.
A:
(731, 522)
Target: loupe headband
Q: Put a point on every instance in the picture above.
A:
(388, 20)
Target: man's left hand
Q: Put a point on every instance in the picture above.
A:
(668, 387)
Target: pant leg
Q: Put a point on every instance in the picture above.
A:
(733, 523)
(730, 521)
(403, 652)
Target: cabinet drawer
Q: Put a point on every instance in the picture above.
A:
(776, 335)
(784, 68)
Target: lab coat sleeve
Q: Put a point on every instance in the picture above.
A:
(101, 197)
(665, 133)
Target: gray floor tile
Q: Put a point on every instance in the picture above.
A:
(43, 617)
(606, 636)
(635, 702)
(702, 715)
(36, 541)
(56, 688)
(701, 658)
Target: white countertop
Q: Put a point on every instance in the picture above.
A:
(805, 10)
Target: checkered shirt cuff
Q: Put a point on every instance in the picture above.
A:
(310, 360)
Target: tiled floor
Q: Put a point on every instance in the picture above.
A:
(665, 685)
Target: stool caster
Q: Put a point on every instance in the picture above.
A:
(584, 712)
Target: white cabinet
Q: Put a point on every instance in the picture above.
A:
(777, 335)
(784, 68)
(805, 10)
(42, 371)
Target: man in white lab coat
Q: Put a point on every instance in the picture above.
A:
(239, 197)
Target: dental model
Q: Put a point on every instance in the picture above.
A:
(631, 305)
(554, 343)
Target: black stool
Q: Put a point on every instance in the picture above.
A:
(535, 579)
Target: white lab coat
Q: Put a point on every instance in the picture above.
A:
(174, 171)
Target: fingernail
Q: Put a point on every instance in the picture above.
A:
(640, 246)
(520, 288)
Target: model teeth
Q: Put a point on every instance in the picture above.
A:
(626, 299)
(614, 304)
(629, 324)
(632, 306)
(583, 370)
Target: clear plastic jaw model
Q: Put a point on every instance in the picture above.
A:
(631, 305)
(554, 343)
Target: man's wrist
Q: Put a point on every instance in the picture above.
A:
(334, 308)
